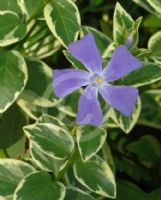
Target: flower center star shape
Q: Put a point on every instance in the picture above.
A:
(97, 80)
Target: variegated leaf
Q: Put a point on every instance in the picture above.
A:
(11, 28)
(11, 173)
(46, 162)
(90, 139)
(62, 18)
(127, 123)
(73, 193)
(14, 72)
(97, 176)
(51, 139)
(39, 186)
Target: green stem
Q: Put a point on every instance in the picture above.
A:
(6, 153)
(69, 163)
(74, 130)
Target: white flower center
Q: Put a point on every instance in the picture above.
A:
(96, 80)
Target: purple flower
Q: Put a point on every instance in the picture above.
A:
(97, 80)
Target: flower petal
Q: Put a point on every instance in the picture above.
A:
(122, 98)
(121, 63)
(67, 80)
(85, 50)
(89, 110)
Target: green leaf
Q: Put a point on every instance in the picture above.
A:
(33, 111)
(154, 45)
(102, 41)
(46, 162)
(41, 43)
(53, 120)
(145, 75)
(147, 6)
(72, 181)
(127, 123)
(11, 28)
(141, 53)
(156, 4)
(43, 48)
(10, 5)
(125, 30)
(77, 194)
(151, 109)
(11, 173)
(97, 176)
(108, 52)
(75, 63)
(129, 165)
(39, 186)
(2, 154)
(11, 133)
(135, 33)
(127, 190)
(123, 25)
(30, 8)
(39, 92)
(107, 120)
(51, 139)
(156, 194)
(95, 3)
(90, 140)
(147, 149)
(14, 77)
(106, 154)
(69, 106)
(62, 18)
(152, 22)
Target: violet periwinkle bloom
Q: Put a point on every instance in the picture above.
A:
(97, 80)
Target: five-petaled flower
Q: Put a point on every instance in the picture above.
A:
(97, 80)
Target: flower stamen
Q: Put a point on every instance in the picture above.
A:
(99, 80)
(96, 80)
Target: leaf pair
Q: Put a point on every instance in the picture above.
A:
(52, 149)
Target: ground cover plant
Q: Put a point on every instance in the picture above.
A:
(80, 106)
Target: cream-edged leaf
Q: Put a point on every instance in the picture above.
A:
(39, 186)
(51, 139)
(63, 19)
(13, 77)
(11, 173)
(73, 193)
(127, 123)
(97, 176)
(11, 28)
(45, 162)
(90, 139)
